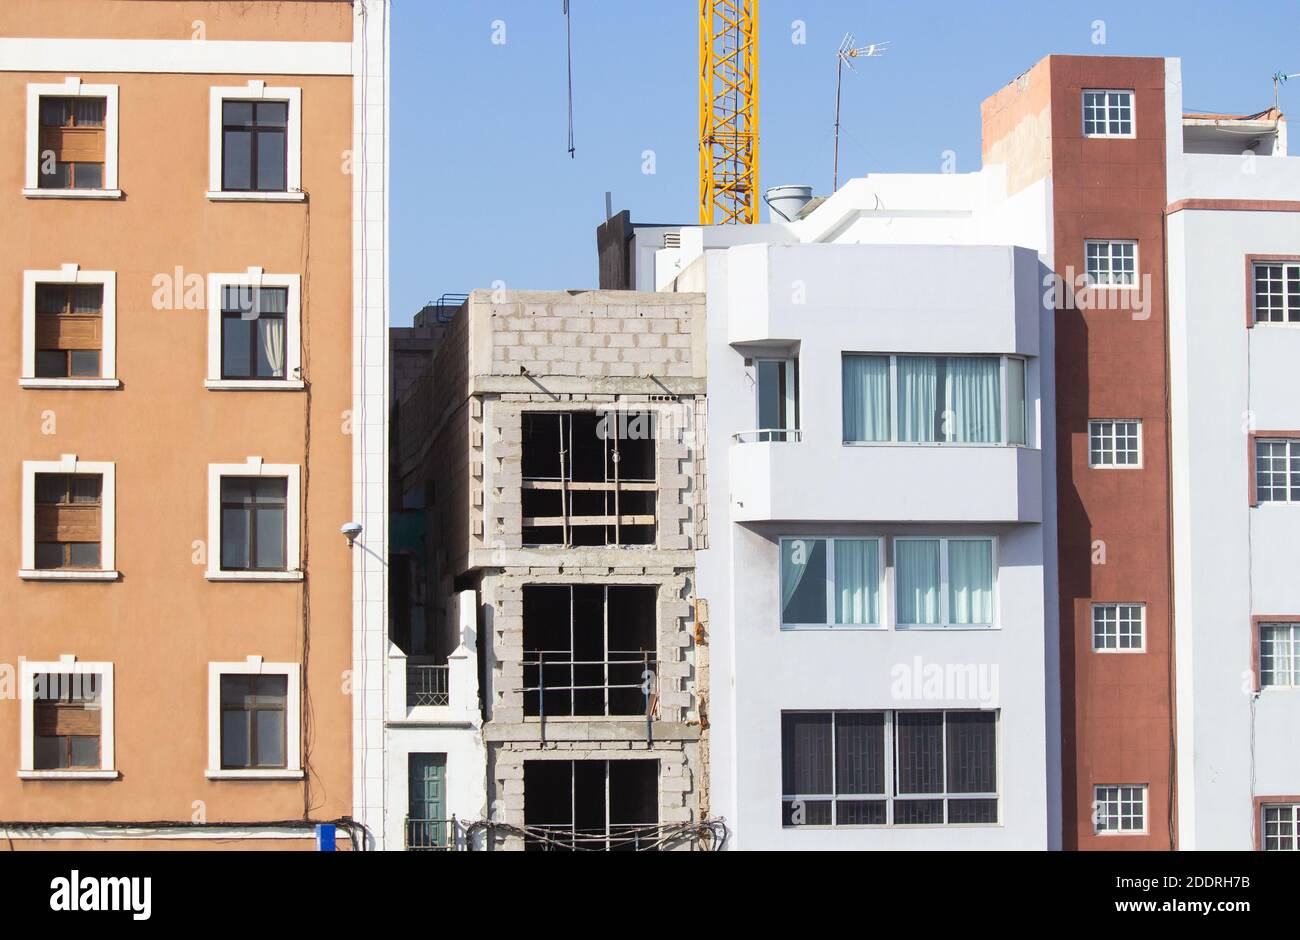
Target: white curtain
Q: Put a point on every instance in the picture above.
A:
(973, 399)
(918, 387)
(916, 573)
(857, 580)
(794, 565)
(273, 343)
(866, 398)
(970, 581)
(1017, 431)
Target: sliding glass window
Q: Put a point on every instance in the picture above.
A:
(944, 582)
(830, 582)
(934, 399)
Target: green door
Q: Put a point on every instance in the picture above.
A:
(427, 810)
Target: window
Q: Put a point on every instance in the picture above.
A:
(1119, 810)
(1115, 443)
(1279, 655)
(1277, 291)
(1118, 628)
(254, 331)
(1107, 113)
(68, 518)
(900, 768)
(944, 582)
(1277, 471)
(1281, 822)
(253, 720)
(830, 582)
(589, 650)
(72, 141)
(776, 399)
(594, 805)
(69, 329)
(255, 143)
(933, 399)
(589, 478)
(253, 522)
(67, 720)
(1110, 263)
(254, 511)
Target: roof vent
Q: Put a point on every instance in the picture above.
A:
(672, 239)
(786, 202)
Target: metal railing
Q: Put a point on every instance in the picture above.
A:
(768, 435)
(427, 684)
(430, 835)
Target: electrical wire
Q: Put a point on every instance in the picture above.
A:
(709, 836)
(568, 32)
(358, 833)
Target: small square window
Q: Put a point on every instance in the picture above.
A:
(74, 130)
(1277, 291)
(1279, 655)
(1107, 113)
(1118, 628)
(1277, 471)
(1114, 443)
(1119, 810)
(1281, 827)
(1110, 262)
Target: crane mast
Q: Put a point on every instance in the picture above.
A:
(728, 112)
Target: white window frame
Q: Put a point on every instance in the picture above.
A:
(1288, 298)
(1132, 112)
(71, 274)
(891, 793)
(1003, 387)
(257, 90)
(944, 613)
(1293, 655)
(1097, 802)
(789, 365)
(1110, 283)
(256, 666)
(1094, 426)
(254, 467)
(882, 602)
(256, 277)
(1292, 445)
(66, 664)
(1294, 809)
(71, 88)
(68, 463)
(1142, 627)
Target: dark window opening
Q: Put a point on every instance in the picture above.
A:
(254, 148)
(254, 530)
(591, 805)
(253, 722)
(67, 712)
(253, 332)
(69, 330)
(69, 520)
(72, 143)
(589, 478)
(589, 650)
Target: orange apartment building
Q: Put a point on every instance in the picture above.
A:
(193, 299)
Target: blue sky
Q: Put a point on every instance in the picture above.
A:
(483, 189)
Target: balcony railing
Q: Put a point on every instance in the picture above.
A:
(430, 835)
(427, 685)
(768, 435)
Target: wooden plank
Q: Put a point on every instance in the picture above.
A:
(556, 521)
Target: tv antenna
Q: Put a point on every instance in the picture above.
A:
(847, 52)
(1280, 78)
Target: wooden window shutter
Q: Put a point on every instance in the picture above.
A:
(67, 523)
(81, 137)
(67, 718)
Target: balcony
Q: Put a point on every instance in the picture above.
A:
(427, 685)
(432, 835)
(814, 482)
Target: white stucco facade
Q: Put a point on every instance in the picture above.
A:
(1234, 563)
(933, 274)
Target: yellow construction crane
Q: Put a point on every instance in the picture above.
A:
(728, 112)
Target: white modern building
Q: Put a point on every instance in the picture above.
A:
(1234, 313)
(881, 564)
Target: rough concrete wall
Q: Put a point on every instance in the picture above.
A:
(1016, 122)
(618, 334)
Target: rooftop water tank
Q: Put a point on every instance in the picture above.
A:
(786, 202)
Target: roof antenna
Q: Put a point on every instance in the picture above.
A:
(1280, 79)
(568, 32)
(845, 55)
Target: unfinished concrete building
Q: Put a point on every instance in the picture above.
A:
(569, 428)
